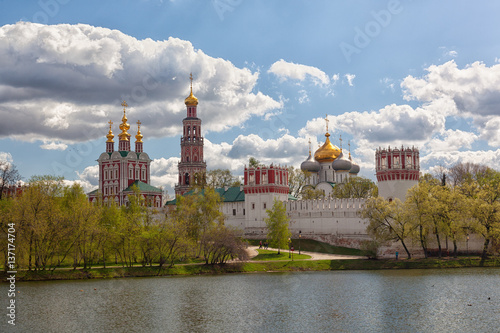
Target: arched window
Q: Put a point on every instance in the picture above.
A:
(194, 130)
(189, 131)
(186, 178)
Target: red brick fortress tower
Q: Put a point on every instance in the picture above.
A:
(397, 171)
(192, 167)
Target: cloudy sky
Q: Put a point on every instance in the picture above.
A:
(387, 73)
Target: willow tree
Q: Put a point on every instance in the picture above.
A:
(483, 192)
(355, 187)
(417, 205)
(277, 222)
(388, 221)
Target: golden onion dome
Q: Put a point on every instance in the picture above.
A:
(110, 134)
(139, 136)
(191, 100)
(327, 152)
(124, 126)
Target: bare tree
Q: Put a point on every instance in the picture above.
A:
(8, 176)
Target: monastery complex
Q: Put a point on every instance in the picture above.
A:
(335, 221)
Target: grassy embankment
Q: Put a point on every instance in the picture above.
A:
(315, 246)
(283, 264)
(254, 266)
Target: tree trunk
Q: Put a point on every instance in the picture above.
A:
(406, 249)
(422, 241)
(439, 243)
(455, 248)
(484, 255)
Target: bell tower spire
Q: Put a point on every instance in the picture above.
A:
(192, 167)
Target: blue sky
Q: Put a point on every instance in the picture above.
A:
(423, 73)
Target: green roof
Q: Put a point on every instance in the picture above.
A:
(93, 192)
(232, 194)
(124, 153)
(143, 187)
(291, 197)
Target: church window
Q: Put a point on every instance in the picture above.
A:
(253, 205)
(116, 189)
(265, 205)
(194, 130)
(116, 173)
(187, 158)
(383, 163)
(251, 179)
(396, 161)
(143, 174)
(234, 212)
(243, 211)
(408, 162)
(137, 172)
(130, 172)
(264, 179)
(186, 178)
(189, 131)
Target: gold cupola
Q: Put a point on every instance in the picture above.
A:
(328, 152)
(110, 135)
(124, 126)
(139, 136)
(191, 100)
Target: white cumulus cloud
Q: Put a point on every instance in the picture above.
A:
(62, 82)
(289, 70)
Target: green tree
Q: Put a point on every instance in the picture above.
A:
(8, 176)
(310, 193)
(278, 231)
(43, 230)
(296, 181)
(219, 178)
(253, 162)
(417, 206)
(483, 191)
(355, 187)
(83, 218)
(387, 221)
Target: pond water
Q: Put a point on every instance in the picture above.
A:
(452, 300)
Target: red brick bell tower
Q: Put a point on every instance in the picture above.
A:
(192, 167)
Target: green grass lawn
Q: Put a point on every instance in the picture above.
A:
(315, 246)
(265, 255)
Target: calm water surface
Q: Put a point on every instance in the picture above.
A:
(453, 300)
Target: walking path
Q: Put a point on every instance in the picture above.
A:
(252, 252)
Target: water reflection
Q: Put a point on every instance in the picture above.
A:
(362, 301)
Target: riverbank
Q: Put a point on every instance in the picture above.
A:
(252, 267)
